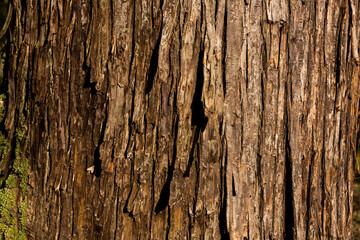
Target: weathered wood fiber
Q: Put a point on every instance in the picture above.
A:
(158, 119)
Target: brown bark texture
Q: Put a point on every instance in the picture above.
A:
(162, 119)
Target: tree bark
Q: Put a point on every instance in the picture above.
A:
(158, 119)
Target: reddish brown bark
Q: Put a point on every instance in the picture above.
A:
(210, 119)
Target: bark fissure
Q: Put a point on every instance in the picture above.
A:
(224, 50)
(198, 117)
(163, 201)
(289, 204)
(153, 68)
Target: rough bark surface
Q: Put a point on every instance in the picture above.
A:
(159, 119)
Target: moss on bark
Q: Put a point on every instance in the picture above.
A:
(13, 194)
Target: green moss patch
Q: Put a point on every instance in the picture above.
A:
(13, 194)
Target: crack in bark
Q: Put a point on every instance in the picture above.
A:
(223, 60)
(225, 235)
(198, 117)
(154, 62)
(97, 158)
(165, 192)
(289, 207)
(87, 80)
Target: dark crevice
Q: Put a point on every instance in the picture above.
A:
(130, 147)
(197, 182)
(264, 59)
(191, 157)
(348, 44)
(132, 55)
(195, 198)
(225, 235)
(262, 116)
(338, 44)
(98, 229)
(309, 195)
(224, 51)
(97, 163)
(233, 186)
(116, 190)
(112, 14)
(198, 117)
(216, 9)
(26, 110)
(289, 211)
(88, 83)
(125, 209)
(161, 3)
(248, 233)
(323, 162)
(97, 159)
(247, 70)
(168, 224)
(88, 31)
(48, 122)
(131, 69)
(165, 192)
(154, 63)
(189, 225)
(126, 206)
(325, 24)
(152, 193)
(39, 24)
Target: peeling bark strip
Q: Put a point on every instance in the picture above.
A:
(158, 119)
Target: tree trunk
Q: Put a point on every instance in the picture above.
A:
(203, 119)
